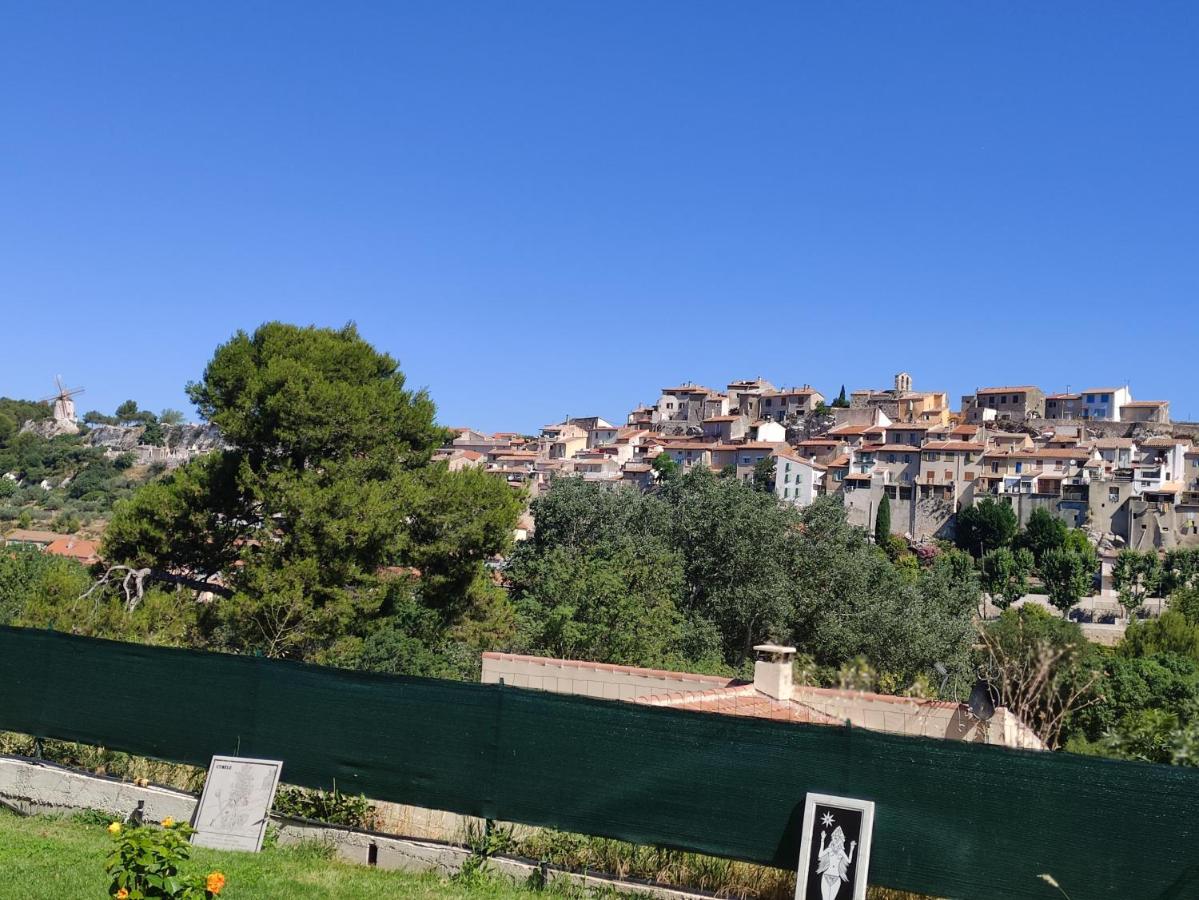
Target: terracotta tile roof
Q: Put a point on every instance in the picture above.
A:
(1041, 453)
(839, 462)
(722, 419)
(895, 448)
(753, 445)
(1007, 390)
(795, 457)
(953, 446)
(791, 392)
(1147, 403)
(74, 548)
(1112, 443)
(1165, 441)
(1061, 453)
(857, 476)
(1063, 396)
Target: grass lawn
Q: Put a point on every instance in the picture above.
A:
(52, 858)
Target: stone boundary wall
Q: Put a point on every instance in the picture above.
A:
(31, 787)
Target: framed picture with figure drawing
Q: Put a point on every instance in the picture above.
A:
(834, 852)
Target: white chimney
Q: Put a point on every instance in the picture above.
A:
(772, 670)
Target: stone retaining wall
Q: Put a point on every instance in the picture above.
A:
(34, 786)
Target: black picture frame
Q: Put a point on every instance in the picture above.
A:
(834, 852)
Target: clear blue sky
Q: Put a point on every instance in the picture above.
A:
(545, 208)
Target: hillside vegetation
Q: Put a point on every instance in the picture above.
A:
(59, 483)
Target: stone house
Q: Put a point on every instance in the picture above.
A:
(683, 404)
(1155, 411)
(781, 405)
(562, 441)
(1063, 406)
(745, 396)
(602, 435)
(898, 464)
(1014, 403)
(725, 428)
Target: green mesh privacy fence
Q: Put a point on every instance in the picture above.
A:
(952, 819)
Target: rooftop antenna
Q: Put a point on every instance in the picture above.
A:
(944, 673)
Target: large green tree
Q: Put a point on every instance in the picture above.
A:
(1044, 531)
(1043, 668)
(750, 570)
(1137, 575)
(1067, 577)
(326, 482)
(986, 525)
(1169, 633)
(1004, 574)
(882, 522)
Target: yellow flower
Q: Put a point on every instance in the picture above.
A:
(114, 829)
(168, 822)
(121, 894)
(215, 883)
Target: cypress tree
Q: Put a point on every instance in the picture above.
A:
(882, 523)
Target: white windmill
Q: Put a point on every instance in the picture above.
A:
(64, 403)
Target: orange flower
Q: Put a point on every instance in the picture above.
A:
(121, 894)
(215, 883)
(168, 822)
(114, 829)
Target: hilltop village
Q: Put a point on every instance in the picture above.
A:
(1096, 459)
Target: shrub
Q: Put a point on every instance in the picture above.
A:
(145, 864)
(333, 807)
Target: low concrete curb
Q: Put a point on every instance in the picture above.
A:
(33, 786)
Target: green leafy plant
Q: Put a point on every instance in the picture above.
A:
(91, 816)
(145, 864)
(484, 843)
(332, 806)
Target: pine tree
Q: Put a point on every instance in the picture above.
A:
(882, 522)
